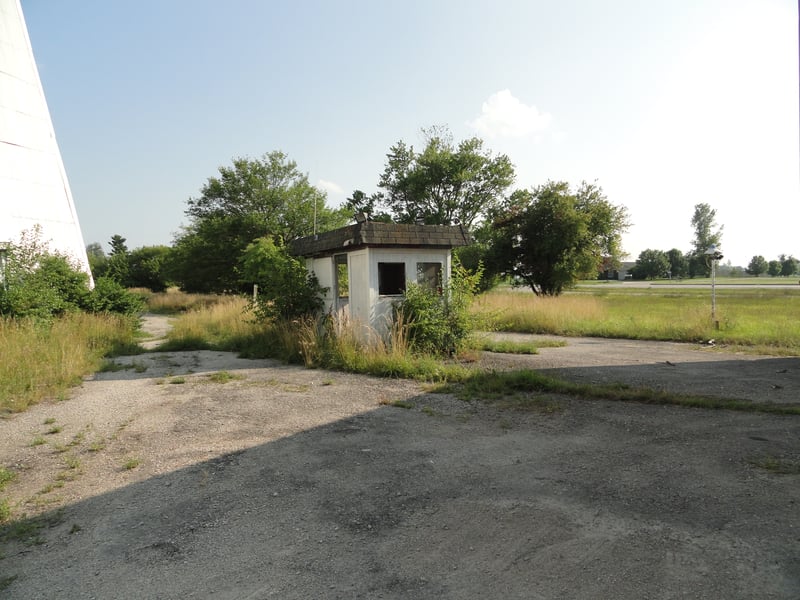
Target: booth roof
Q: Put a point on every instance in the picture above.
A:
(381, 235)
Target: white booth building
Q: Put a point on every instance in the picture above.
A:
(366, 267)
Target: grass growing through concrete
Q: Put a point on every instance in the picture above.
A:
(779, 466)
(511, 347)
(223, 377)
(524, 386)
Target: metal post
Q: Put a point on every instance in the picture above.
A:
(3, 262)
(714, 292)
(714, 255)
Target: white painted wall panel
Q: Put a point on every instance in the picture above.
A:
(33, 184)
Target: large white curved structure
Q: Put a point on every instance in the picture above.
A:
(33, 183)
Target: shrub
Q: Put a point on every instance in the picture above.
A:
(286, 290)
(108, 296)
(40, 284)
(439, 323)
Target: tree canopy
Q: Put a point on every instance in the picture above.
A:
(706, 234)
(758, 265)
(553, 236)
(789, 265)
(651, 264)
(445, 184)
(678, 263)
(253, 198)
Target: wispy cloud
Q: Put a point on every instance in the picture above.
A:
(503, 115)
(330, 187)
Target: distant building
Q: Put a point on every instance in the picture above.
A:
(33, 184)
(367, 266)
(621, 273)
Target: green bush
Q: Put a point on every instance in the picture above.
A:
(108, 296)
(39, 284)
(439, 323)
(286, 290)
(42, 285)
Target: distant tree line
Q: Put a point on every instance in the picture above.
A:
(657, 264)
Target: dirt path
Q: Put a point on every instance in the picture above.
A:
(197, 474)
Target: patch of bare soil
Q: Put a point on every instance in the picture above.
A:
(201, 475)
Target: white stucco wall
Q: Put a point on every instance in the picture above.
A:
(366, 307)
(33, 184)
(381, 306)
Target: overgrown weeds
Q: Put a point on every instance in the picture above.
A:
(174, 301)
(327, 342)
(42, 359)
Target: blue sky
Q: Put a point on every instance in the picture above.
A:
(664, 104)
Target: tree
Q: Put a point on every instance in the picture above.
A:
(789, 265)
(706, 234)
(678, 263)
(253, 198)
(757, 266)
(117, 267)
(445, 184)
(774, 268)
(651, 264)
(98, 261)
(359, 202)
(552, 236)
(146, 268)
(204, 257)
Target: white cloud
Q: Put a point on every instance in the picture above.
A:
(330, 187)
(503, 115)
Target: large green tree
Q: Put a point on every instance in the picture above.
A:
(146, 267)
(552, 236)
(651, 264)
(446, 183)
(252, 198)
(678, 263)
(758, 265)
(706, 234)
(789, 265)
(117, 267)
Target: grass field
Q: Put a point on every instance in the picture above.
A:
(759, 319)
(739, 281)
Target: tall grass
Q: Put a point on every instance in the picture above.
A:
(764, 319)
(318, 343)
(174, 301)
(43, 359)
(222, 323)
